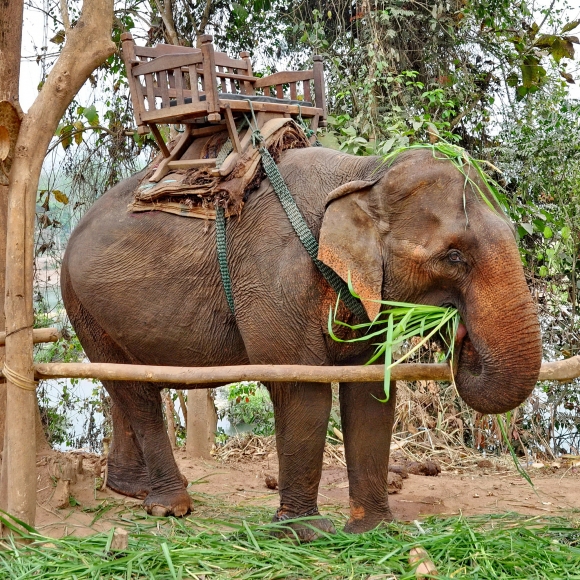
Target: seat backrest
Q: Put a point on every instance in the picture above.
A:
(166, 75)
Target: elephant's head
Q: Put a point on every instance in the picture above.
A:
(419, 232)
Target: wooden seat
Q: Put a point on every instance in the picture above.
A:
(209, 92)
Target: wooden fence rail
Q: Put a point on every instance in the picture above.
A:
(38, 335)
(565, 370)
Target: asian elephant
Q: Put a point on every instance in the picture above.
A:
(146, 288)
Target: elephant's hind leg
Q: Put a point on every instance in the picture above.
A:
(301, 413)
(126, 469)
(167, 493)
(140, 456)
(367, 426)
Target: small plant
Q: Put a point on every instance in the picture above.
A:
(249, 403)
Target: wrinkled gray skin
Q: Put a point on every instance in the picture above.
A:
(145, 288)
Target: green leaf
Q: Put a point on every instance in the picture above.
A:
(91, 115)
(548, 233)
(570, 26)
(543, 271)
(565, 232)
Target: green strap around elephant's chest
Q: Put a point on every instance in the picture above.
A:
(307, 238)
(302, 230)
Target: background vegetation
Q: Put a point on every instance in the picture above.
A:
(493, 76)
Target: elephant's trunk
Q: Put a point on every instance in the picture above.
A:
(501, 355)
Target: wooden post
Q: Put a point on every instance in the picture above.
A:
(88, 44)
(209, 79)
(11, 17)
(319, 90)
(201, 424)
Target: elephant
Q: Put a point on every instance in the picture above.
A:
(145, 288)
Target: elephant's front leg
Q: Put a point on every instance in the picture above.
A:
(301, 412)
(142, 404)
(367, 426)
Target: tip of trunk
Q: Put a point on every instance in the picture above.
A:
(496, 384)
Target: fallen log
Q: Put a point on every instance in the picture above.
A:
(565, 370)
(38, 335)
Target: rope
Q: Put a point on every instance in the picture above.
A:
(19, 380)
(226, 149)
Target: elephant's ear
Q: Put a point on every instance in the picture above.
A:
(350, 242)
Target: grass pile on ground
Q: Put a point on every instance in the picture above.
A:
(508, 546)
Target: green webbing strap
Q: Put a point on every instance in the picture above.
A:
(220, 233)
(300, 227)
(308, 240)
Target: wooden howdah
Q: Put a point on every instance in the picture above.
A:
(201, 88)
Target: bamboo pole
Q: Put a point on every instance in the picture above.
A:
(88, 44)
(39, 335)
(565, 370)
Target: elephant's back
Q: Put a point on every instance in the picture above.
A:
(135, 274)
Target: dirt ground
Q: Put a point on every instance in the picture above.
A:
(494, 487)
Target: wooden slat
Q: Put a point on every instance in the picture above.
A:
(193, 83)
(280, 91)
(167, 62)
(284, 77)
(306, 90)
(162, 49)
(222, 59)
(162, 84)
(190, 163)
(150, 93)
(222, 80)
(232, 130)
(293, 94)
(182, 112)
(179, 90)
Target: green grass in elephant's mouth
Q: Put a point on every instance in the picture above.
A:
(400, 322)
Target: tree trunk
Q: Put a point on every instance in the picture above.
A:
(88, 44)
(11, 18)
(201, 423)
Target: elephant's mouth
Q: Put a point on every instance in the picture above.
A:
(465, 353)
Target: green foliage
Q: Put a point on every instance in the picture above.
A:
(249, 404)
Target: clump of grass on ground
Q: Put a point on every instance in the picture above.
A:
(507, 546)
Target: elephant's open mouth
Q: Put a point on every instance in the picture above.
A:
(466, 356)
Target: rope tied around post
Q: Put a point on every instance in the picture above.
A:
(19, 380)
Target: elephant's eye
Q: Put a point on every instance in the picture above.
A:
(454, 256)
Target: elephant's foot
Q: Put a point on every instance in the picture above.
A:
(128, 482)
(306, 530)
(363, 521)
(174, 503)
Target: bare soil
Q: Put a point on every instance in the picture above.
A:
(494, 487)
